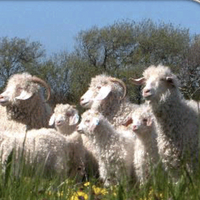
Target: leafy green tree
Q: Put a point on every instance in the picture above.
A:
(81, 72)
(125, 48)
(161, 43)
(55, 71)
(128, 43)
(107, 48)
(68, 76)
(17, 55)
(189, 73)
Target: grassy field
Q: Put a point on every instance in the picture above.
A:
(27, 183)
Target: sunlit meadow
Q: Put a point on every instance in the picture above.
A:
(29, 184)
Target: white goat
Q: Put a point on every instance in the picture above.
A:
(141, 122)
(114, 151)
(45, 148)
(9, 125)
(24, 101)
(65, 119)
(176, 123)
(106, 94)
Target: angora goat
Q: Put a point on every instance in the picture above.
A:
(176, 122)
(114, 151)
(25, 102)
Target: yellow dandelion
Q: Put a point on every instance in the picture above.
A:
(86, 184)
(113, 190)
(114, 194)
(79, 195)
(49, 193)
(152, 195)
(161, 195)
(98, 190)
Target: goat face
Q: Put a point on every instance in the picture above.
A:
(139, 124)
(156, 87)
(69, 118)
(99, 94)
(90, 120)
(86, 100)
(100, 89)
(13, 94)
(158, 82)
(21, 87)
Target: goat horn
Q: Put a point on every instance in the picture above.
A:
(121, 83)
(138, 81)
(35, 79)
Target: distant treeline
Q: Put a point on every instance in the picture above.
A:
(123, 49)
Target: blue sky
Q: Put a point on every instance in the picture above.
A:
(55, 24)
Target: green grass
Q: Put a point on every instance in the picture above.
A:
(28, 183)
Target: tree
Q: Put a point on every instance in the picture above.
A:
(68, 76)
(55, 71)
(107, 48)
(190, 70)
(17, 55)
(81, 72)
(126, 48)
(161, 43)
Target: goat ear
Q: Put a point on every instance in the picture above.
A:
(138, 81)
(149, 121)
(103, 92)
(24, 95)
(52, 120)
(73, 119)
(127, 122)
(93, 123)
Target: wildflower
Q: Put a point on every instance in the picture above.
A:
(79, 196)
(68, 181)
(114, 194)
(49, 193)
(60, 194)
(99, 191)
(114, 190)
(153, 195)
(86, 184)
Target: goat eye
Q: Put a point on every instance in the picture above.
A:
(87, 121)
(19, 89)
(68, 114)
(98, 87)
(144, 120)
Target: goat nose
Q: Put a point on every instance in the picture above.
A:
(77, 127)
(58, 122)
(81, 99)
(135, 127)
(146, 91)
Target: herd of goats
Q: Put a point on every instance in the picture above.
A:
(114, 139)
